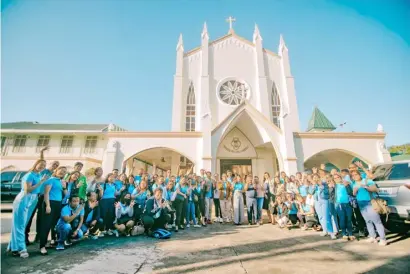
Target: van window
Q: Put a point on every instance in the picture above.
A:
(399, 171)
(7, 176)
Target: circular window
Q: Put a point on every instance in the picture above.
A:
(233, 92)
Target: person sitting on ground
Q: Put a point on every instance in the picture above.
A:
(70, 223)
(155, 215)
(292, 205)
(307, 213)
(281, 211)
(124, 213)
(92, 221)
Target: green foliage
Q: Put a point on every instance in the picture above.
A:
(401, 149)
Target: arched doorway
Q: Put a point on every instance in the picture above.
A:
(333, 158)
(163, 158)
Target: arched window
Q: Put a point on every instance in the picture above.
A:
(190, 109)
(275, 105)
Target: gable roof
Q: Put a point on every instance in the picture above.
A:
(220, 39)
(318, 121)
(35, 126)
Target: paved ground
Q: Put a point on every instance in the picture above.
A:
(217, 249)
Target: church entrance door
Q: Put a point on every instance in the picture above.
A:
(240, 167)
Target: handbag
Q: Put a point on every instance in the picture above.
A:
(380, 206)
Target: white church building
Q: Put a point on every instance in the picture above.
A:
(234, 107)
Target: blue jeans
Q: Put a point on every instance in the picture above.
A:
(190, 212)
(372, 218)
(259, 203)
(333, 215)
(325, 217)
(65, 230)
(344, 211)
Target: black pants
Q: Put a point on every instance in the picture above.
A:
(49, 221)
(198, 213)
(358, 220)
(218, 211)
(310, 221)
(38, 220)
(150, 223)
(138, 210)
(107, 213)
(179, 208)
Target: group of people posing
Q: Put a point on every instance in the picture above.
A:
(72, 206)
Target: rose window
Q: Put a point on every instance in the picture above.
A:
(233, 92)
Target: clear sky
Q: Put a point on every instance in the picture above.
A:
(102, 61)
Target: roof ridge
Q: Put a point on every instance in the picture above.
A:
(319, 121)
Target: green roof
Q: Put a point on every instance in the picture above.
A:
(319, 122)
(38, 126)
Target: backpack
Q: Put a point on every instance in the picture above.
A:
(161, 234)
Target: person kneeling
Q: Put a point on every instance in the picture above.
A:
(69, 226)
(155, 213)
(92, 216)
(124, 212)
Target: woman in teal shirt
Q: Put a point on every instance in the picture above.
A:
(51, 209)
(343, 190)
(363, 189)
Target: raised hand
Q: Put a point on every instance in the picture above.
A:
(63, 183)
(323, 166)
(359, 164)
(132, 203)
(117, 205)
(314, 169)
(44, 178)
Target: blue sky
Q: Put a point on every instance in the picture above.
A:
(113, 61)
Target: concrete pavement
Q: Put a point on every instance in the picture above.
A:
(219, 249)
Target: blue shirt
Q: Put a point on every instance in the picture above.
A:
(118, 185)
(238, 186)
(109, 191)
(68, 193)
(130, 189)
(303, 190)
(142, 198)
(208, 194)
(362, 194)
(33, 178)
(90, 216)
(342, 197)
(138, 179)
(292, 207)
(44, 172)
(56, 190)
(67, 211)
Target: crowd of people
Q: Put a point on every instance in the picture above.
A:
(71, 206)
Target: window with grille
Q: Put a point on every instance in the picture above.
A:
(42, 141)
(20, 143)
(275, 104)
(90, 144)
(66, 144)
(190, 110)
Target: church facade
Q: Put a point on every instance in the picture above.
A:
(234, 107)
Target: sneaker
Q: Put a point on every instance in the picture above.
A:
(24, 254)
(303, 228)
(333, 236)
(53, 243)
(371, 240)
(67, 243)
(60, 246)
(101, 234)
(352, 238)
(188, 226)
(361, 234)
(323, 234)
(109, 232)
(221, 220)
(382, 242)
(197, 226)
(346, 238)
(115, 232)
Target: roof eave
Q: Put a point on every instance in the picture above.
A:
(48, 131)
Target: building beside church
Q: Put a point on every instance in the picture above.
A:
(234, 107)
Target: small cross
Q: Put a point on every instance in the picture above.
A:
(230, 19)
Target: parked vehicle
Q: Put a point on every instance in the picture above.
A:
(393, 180)
(11, 184)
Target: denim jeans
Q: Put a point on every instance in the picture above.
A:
(259, 204)
(252, 209)
(325, 217)
(190, 212)
(344, 212)
(372, 218)
(65, 230)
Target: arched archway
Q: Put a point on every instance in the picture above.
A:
(163, 157)
(334, 158)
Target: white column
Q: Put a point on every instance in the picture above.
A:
(110, 157)
(177, 104)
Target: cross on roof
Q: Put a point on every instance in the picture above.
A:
(230, 20)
